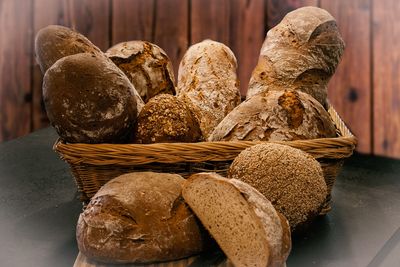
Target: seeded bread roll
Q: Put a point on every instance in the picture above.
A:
(243, 222)
(300, 53)
(207, 79)
(54, 42)
(290, 178)
(89, 100)
(146, 65)
(276, 116)
(166, 119)
(139, 217)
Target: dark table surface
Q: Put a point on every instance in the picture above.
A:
(39, 209)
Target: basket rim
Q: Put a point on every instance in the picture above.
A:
(137, 154)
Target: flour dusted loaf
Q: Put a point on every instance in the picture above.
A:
(301, 52)
(276, 116)
(146, 65)
(243, 222)
(54, 42)
(290, 178)
(166, 119)
(139, 217)
(89, 100)
(207, 79)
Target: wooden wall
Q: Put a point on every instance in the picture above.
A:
(365, 90)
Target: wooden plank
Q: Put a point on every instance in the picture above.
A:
(349, 90)
(210, 20)
(386, 78)
(277, 9)
(15, 68)
(247, 33)
(171, 28)
(132, 20)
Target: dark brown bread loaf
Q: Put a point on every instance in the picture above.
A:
(89, 100)
(146, 65)
(243, 222)
(276, 116)
(300, 53)
(166, 119)
(54, 42)
(139, 217)
(290, 178)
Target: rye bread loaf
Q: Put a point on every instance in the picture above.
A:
(139, 217)
(146, 65)
(166, 119)
(290, 178)
(242, 221)
(89, 100)
(207, 79)
(276, 116)
(300, 53)
(54, 42)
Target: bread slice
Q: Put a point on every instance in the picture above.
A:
(242, 221)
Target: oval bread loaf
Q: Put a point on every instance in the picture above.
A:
(207, 79)
(146, 65)
(276, 116)
(301, 53)
(137, 218)
(89, 100)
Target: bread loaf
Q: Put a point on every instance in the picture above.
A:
(207, 79)
(276, 116)
(146, 65)
(300, 53)
(139, 217)
(89, 100)
(54, 42)
(242, 221)
(290, 178)
(166, 119)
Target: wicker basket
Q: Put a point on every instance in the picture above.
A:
(94, 164)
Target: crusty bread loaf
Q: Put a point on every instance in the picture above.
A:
(276, 116)
(242, 221)
(139, 217)
(146, 65)
(207, 79)
(301, 53)
(89, 100)
(54, 42)
(166, 119)
(290, 178)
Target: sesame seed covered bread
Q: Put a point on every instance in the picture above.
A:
(146, 65)
(242, 221)
(290, 178)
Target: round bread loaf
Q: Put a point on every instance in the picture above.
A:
(300, 53)
(276, 116)
(89, 100)
(290, 178)
(54, 42)
(166, 119)
(139, 217)
(146, 65)
(243, 222)
(207, 79)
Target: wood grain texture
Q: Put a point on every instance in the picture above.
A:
(277, 9)
(171, 29)
(15, 68)
(349, 90)
(210, 20)
(386, 78)
(132, 20)
(247, 32)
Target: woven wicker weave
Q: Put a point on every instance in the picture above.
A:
(94, 164)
